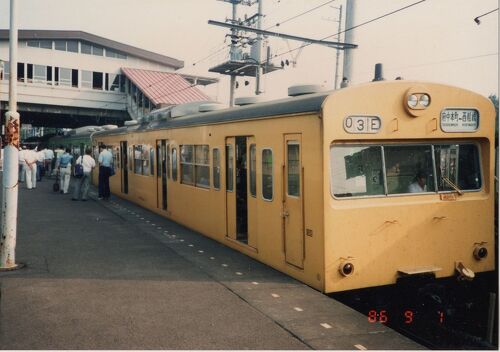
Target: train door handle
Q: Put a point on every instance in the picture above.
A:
(285, 214)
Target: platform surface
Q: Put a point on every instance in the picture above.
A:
(112, 275)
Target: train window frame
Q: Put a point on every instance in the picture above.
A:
(198, 166)
(174, 164)
(272, 174)
(432, 145)
(187, 165)
(216, 167)
(252, 175)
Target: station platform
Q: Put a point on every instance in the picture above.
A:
(111, 275)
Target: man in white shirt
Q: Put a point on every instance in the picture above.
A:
(419, 185)
(22, 163)
(30, 159)
(48, 156)
(82, 184)
(105, 165)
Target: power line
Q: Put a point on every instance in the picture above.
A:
(300, 14)
(443, 61)
(357, 26)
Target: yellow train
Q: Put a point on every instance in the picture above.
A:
(341, 190)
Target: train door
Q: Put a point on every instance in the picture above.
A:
(161, 173)
(293, 215)
(230, 193)
(241, 201)
(124, 166)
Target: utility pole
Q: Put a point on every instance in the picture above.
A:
(258, 68)
(350, 16)
(337, 61)
(10, 161)
(232, 53)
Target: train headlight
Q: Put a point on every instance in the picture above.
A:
(480, 252)
(346, 268)
(424, 100)
(412, 101)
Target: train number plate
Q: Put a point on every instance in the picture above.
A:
(459, 120)
(362, 124)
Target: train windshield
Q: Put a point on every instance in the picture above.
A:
(380, 170)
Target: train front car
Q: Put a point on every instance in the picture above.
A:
(409, 184)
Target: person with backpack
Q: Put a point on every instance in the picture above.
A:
(83, 181)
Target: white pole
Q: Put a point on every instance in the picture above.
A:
(350, 17)
(232, 51)
(10, 162)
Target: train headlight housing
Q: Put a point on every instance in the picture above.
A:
(417, 100)
(346, 268)
(424, 100)
(480, 252)
(412, 101)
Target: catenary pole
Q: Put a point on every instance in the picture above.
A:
(232, 53)
(10, 161)
(350, 19)
(258, 69)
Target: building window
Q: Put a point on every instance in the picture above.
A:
(97, 82)
(6, 70)
(60, 45)
(86, 48)
(40, 74)
(49, 74)
(44, 44)
(34, 43)
(97, 51)
(63, 76)
(86, 79)
(216, 168)
(72, 46)
(74, 78)
(267, 174)
(112, 82)
(20, 71)
(29, 72)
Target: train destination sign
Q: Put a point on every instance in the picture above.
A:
(362, 124)
(459, 120)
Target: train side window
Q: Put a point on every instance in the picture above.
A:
(267, 174)
(131, 158)
(356, 171)
(167, 167)
(216, 168)
(138, 159)
(253, 175)
(202, 166)
(229, 167)
(174, 164)
(187, 161)
(158, 161)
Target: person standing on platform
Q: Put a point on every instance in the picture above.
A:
(83, 183)
(40, 165)
(30, 159)
(48, 156)
(65, 170)
(22, 163)
(105, 164)
(58, 153)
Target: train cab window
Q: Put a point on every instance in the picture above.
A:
(187, 160)
(267, 174)
(174, 164)
(409, 169)
(216, 168)
(202, 166)
(253, 175)
(457, 165)
(356, 171)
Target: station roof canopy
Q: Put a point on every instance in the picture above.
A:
(164, 87)
(29, 34)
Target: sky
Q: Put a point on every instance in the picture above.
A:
(434, 40)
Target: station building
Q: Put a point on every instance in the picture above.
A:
(73, 78)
